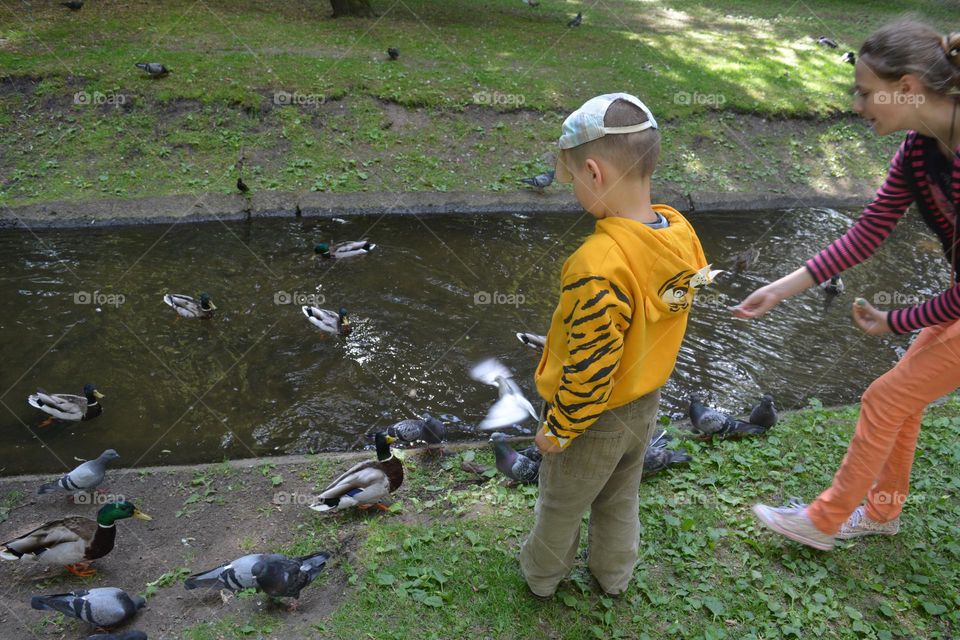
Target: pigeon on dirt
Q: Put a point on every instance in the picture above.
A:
(533, 340)
(85, 477)
(274, 574)
(764, 413)
(101, 607)
(576, 20)
(425, 429)
(512, 407)
(541, 181)
(826, 42)
(520, 466)
(710, 423)
(657, 457)
(393, 53)
(155, 69)
(831, 289)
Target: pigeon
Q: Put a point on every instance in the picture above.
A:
(745, 259)
(831, 289)
(533, 340)
(764, 414)
(274, 574)
(242, 186)
(126, 635)
(426, 429)
(849, 57)
(101, 607)
(155, 69)
(708, 422)
(541, 181)
(87, 476)
(512, 407)
(393, 52)
(576, 20)
(657, 457)
(73, 5)
(826, 42)
(520, 466)
(532, 3)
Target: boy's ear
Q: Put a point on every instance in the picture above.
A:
(594, 168)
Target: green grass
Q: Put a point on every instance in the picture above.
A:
(476, 98)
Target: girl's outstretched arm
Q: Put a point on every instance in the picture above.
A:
(767, 297)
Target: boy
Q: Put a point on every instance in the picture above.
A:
(624, 298)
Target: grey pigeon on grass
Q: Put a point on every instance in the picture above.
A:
(155, 69)
(520, 466)
(576, 20)
(275, 574)
(512, 407)
(764, 413)
(541, 181)
(710, 423)
(125, 635)
(826, 42)
(393, 53)
(657, 457)
(849, 57)
(101, 607)
(85, 477)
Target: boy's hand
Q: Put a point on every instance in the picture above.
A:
(871, 320)
(545, 444)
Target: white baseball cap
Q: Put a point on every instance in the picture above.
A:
(586, 124)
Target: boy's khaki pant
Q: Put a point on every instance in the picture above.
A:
(878, 461)
(600, 471)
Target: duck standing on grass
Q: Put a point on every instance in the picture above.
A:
(188, 307)
(67, 407)
(74, 541)
(101, 607)
(365, 484)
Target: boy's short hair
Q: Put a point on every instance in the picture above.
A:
(634, 153)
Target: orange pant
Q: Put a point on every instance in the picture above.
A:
(877, 463)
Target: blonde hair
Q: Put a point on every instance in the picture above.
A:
(909, 46)
(635, 154)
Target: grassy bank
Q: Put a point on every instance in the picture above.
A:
(747, 99)
(442, 562)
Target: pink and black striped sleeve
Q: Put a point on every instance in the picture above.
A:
(873, 226)
(938, 310)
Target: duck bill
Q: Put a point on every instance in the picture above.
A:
(140, 515)
(98, 395)
(212, 306)
(390, 439)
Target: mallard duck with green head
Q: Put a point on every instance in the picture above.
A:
(68, 407)
(365, 484)
(74, 541)
(328, 321)
(340, 250)
(188, 307)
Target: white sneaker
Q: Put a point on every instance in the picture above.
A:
(859, 524)
(792, 521)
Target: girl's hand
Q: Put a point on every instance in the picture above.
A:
(871, 320)
(545, 444)
(756, 304)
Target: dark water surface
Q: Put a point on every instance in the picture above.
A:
(258, 379)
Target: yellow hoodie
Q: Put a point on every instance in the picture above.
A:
(624, 299)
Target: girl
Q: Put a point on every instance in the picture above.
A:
(907, 78)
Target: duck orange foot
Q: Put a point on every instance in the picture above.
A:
(82, 569)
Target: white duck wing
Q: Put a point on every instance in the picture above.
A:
(321, 318)
(61, 405)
